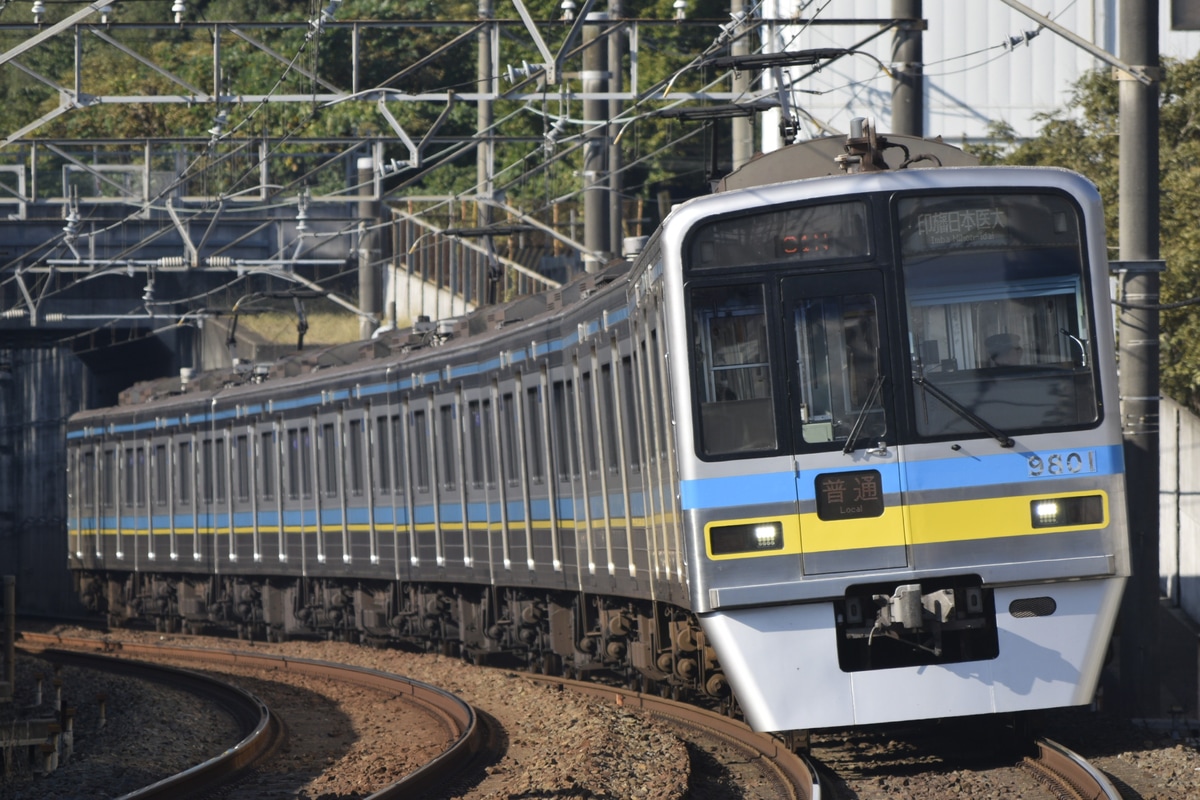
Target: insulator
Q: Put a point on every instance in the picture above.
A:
(220, 261)
(171, 261)
(15, 313)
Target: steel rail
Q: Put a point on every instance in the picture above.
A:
(1071, 773)
(260, 729)
(459, 719)
(792, 770)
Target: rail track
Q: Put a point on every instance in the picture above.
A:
(1064, 774)
(466, 732)
(1069, 775)
(792, 774)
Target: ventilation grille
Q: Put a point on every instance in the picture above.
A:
(1032, 607)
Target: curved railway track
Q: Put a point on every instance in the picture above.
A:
(1069, 775)
(791, 773)
(1065, 775)
(466, 732)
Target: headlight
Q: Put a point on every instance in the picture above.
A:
(754, 537)
(1058, 512)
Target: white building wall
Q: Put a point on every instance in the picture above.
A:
(1179, 507)
(973, 75)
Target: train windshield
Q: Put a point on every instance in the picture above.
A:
(997, 311)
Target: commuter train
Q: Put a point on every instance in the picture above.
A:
(840, 445)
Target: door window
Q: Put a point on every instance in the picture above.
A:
(838, 364)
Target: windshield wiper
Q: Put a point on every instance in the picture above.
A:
(1004, 439)
(872, 396)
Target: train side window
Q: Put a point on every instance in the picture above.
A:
(299, 463)
(489, 446)
(588, 431)
(447, 436)
(660, 399)
(398, 452)
(129, 478)
(241, 459)
(183, 474)
(143, 475)
(355, 465)
(306, 462)
(563, 398)
(222, 468)
(87, 481)
(731, 369)
(508, 433)
(267, 459)
(293, 463)
(420, 441)
(108, 478)
(206, 471)
(161, 474)
(608, 419)
(475, 443)
(383, 456)
(535, 434)
(329, 456)
(628, 390)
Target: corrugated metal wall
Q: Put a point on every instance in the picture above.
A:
(973, 78)
(39, 389)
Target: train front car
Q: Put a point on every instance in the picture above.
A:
(900, 461)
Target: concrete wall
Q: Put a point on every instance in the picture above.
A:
(1179, 506)
(39, 388)
(408, 296)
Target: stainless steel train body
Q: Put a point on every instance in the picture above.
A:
(849, 444)
(901, 460)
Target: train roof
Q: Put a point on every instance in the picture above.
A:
(826, 156)
(438, 340)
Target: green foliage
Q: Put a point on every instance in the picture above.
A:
(658, 155)
(1084, 137)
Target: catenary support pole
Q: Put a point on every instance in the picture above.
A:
(595, 144)
(742, 127)
(908, 88)
(1138, 351)
(368, 245)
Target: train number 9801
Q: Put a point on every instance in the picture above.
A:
(1068, 463)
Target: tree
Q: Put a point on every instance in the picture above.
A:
(1083, 137)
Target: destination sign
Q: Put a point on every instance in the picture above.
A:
(850, 495)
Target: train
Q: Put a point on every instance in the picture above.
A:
(840, 444)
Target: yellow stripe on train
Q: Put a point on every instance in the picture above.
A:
(929, 523)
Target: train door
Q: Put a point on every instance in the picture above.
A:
(843, 422)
